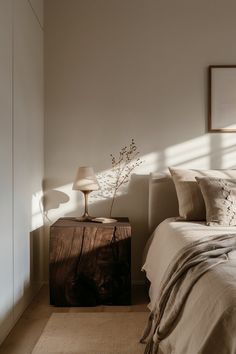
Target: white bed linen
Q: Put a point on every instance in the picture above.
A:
(166, 241)
(210, 310)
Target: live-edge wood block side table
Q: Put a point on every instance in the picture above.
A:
(90, 263)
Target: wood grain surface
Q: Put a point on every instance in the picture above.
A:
(90, 263)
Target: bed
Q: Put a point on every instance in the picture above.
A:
(207, 325)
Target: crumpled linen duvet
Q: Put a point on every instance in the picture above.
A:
(195, 311)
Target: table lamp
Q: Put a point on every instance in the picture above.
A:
(86, 182)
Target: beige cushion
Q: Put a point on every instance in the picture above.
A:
(220, 200)
(190, 199)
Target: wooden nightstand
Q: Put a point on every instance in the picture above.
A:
(90, 263)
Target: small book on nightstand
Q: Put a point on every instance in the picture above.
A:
(104, 220)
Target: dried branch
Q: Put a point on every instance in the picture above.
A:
(121, 168)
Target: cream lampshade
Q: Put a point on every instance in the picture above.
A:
(86, 182)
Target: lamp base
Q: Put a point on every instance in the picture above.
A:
(84, 218)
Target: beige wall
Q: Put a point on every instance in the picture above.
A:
(21, 158)
(121, 69)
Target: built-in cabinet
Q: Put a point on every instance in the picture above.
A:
(6, 168)
(21, 156)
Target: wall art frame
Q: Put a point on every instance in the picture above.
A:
(222, 98)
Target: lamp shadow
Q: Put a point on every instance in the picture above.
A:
(52, 199)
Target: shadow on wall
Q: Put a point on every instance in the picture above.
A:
(52, 199)
(35, 278)
(210, 151)
(36, 256)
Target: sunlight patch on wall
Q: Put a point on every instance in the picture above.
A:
(194, 153)
(36, 210)
(228, 150)
(209, 151)
(150, 163)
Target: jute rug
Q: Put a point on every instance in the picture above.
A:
(93, 333)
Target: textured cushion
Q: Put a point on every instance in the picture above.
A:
(191, 202)
(220, 200)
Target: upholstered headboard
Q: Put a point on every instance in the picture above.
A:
(163, 201)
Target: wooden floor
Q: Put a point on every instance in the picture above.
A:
(28, 329)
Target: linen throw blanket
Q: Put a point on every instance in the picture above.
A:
(184, 271)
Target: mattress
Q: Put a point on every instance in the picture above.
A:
(210, 311)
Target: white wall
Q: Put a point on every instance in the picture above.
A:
(22, 115)
(121, 69)
(6, 251)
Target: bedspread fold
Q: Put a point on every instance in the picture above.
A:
(187, 267)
